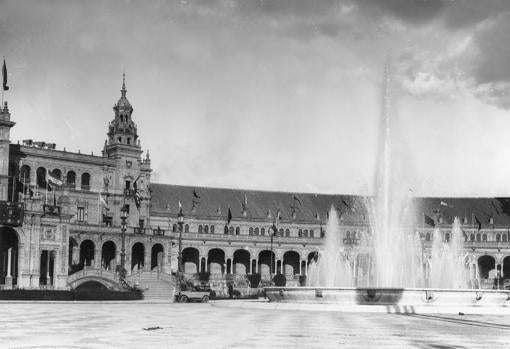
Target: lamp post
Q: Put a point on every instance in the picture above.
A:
(180, 222)
(123, 227)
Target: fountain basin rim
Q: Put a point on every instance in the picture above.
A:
(394, 289)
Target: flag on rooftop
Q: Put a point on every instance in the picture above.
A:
(229, 216)
(477, 222)
(195, 195)
(428, 220)
(442, 203)
(297, 199)
(51, 179)
(180, 208)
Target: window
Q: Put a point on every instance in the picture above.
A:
(85, 181)
(287, 232)
(71, 179)
(504, 237)
(280, 232)
(238, 230)
(128, 140)
(311, 233)
(141, 223)
(300, 233)
(80, 216)
(484, 237)
(472, 237)
(305, 233)
(200, 228)
(41, 177)
(225, 230)
(231, 230)
(262, 231)
(498, 238)
(478, 237)
(206, 229)
(447, 237)
(212, 229)
(120, 139)
(348, 235)
(128, 184)
(427, 237)
(353, 234)
(250, 231)
(256, 231)
(56, 173)
(174, 227)
(186, 228)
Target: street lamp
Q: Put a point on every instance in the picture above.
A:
(180, 222)
(123, 226)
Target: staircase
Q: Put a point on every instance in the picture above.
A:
(157, 287)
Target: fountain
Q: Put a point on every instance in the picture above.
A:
(394, 268)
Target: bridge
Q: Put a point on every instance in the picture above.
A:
(104, 277)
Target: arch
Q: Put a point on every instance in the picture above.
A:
(186, 228)
(71, 179)
(484, 237)
(9, 241)
(137, 256)
(200, 228)
(291, 264)
(40, 177)
(486, 266)
(87, 248)
(262, 231)
(157, 257)
(190, 260)
(312, 256)
(311, 233)
(231, 230)
(91, 285)
(472, 237)
(174, 227)
(287, 232)
(280, 232)
(25, 174)
(106, 278)
(478, 237)
(206, 229)
(498, 238)
(108, 253)
(266, 259)
(212, 229)
(506, 267)
(250, 231)
(238, 230)
(85, 181)
(241, 262)
(216, 261)
(56, 173)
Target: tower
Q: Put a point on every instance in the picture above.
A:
(130, 178)
(5, 128)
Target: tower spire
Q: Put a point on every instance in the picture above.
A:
(123, 91)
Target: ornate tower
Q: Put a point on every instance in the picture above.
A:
(5, 128)
(131, 174)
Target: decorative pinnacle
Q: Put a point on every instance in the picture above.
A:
(123, 91)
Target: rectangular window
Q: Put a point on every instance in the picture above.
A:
(128, 184)
(80, 216)
(141, 223)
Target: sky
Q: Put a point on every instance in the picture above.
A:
(272, 94)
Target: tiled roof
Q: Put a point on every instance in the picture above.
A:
(215, 202)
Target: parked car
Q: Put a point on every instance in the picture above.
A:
(197, 293)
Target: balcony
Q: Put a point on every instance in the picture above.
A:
(351, 241)
(158, 231)
(51, 210)
(138, 230)
(11, 213)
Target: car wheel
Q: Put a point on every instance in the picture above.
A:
(205, 299)
(184, 299)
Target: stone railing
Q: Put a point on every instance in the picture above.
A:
(247, 238)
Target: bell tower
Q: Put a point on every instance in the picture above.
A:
(122, 134)
(5, 129)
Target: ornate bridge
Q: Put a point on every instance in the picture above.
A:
(107, 278)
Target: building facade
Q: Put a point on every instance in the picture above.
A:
(61, 220)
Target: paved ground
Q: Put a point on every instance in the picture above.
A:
(106, 325)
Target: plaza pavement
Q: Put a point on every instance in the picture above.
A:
(197, 325)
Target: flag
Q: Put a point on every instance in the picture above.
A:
(442, 203)
(103, 201)
(195, 195)
(297, 199)
(346, 204)
(136, 195)
(180, 208)
(428, 220)
(277, 217)
(4, 74)
(51, 179)
(229, 216)
(244, 205)
(478, 222)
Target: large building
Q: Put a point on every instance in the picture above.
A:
(62, 222)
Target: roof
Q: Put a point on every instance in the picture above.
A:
(309, 207)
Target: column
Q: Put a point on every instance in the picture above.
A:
(257, 269)
(48, 267)
(249, 266)
(9, 255)
(300, 266)
(147, 258)
(97, 259)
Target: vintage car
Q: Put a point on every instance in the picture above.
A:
(197, 293)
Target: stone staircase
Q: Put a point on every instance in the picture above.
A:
(157, 287)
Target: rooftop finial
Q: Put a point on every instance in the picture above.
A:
(123, 91)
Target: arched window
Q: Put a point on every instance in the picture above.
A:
(347, 235)
(256, 231)
(280, 232)
(174, 227)
(484, 237)
(41, 177)
(225, 230)
(311, 233)
(305, 233)
(200, 228)
(186, 228)
(478, 237)
(504, 238)
(56, 173)
(85, 181)
(231, 230)
(250, 231)
(71, 179)
(25, 175)
(262, 231)
(498, 238)
(287, 232)
(300, 233)
(447, 237)
(472, 237)
(212, 229)
(206, 229)
(427, 237)
(238, 230)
